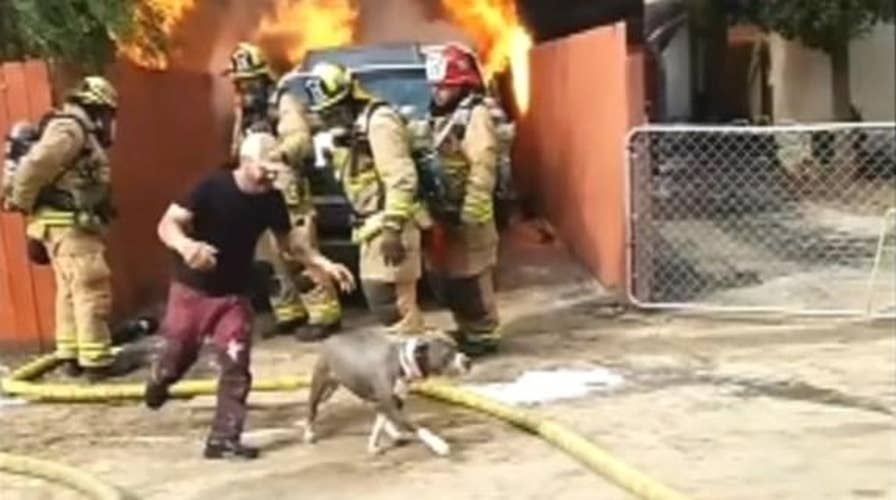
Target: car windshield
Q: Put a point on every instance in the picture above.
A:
(402, 87)
(398, 86)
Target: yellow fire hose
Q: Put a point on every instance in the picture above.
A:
(19, 383)
(68, 476)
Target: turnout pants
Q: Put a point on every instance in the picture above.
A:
(191, 317)
(391, 291)
(83, 296)
(471, 301)
(394, 305)
(294, 296)
(460, 263)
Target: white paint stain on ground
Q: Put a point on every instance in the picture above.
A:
(8, 403)
(542, 386)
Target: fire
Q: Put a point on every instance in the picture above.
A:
(296, 26)
(500, 37)
(520, 44)
(155, 19)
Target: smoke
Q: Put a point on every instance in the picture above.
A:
(384, 21)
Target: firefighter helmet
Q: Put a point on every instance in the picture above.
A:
(454, 66)
(247, 61)
(328, 85)
(95, 91)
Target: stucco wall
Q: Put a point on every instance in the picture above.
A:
(801, 78)
(570, 148)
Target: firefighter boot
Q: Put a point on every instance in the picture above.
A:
(121, 366)
(476, 344)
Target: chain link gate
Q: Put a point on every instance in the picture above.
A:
(790, 219)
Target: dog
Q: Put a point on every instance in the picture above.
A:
(379, 368)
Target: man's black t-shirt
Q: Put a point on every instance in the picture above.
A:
(231, 221)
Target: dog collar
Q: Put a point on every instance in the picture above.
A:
(410, 359)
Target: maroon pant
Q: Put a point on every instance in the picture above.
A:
(190, 318)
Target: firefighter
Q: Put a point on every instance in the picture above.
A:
(294, 297)
(63, 186)
(371, 159)
(460, 263)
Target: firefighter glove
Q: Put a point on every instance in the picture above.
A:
(37, 252)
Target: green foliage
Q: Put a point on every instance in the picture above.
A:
(821, 24)
(79, 32)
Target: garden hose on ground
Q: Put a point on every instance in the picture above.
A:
(19, 383)
(77, 479)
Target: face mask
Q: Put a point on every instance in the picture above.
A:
(113, 131)
(446, 102)
(254, 96)
(105, 127)
(338, 116)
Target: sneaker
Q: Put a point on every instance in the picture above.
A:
(314, 333)
(155, 395)
(229, 448)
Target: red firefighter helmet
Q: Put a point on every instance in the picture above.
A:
(455, 67)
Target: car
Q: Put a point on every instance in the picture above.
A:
(396, 73)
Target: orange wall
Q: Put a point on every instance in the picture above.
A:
(586, 94)
(26, 291)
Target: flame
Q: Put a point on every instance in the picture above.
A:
(297, 26)
(500, 37)
(155, 19)
(520, 44)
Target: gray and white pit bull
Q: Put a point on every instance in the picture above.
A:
(379, 368)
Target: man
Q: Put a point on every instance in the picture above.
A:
(372, 161)
(461, 263)
(214, 232)
(263, 106)
(63, 185)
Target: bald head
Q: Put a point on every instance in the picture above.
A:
(258, 171)
(257, 146)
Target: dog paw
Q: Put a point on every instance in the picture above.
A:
(435, 443)
(375, 450)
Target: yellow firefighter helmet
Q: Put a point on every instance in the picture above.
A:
(330, 84)
(247, 61)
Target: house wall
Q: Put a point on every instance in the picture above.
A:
(587, 91)
(677, 63)
(801, 78)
